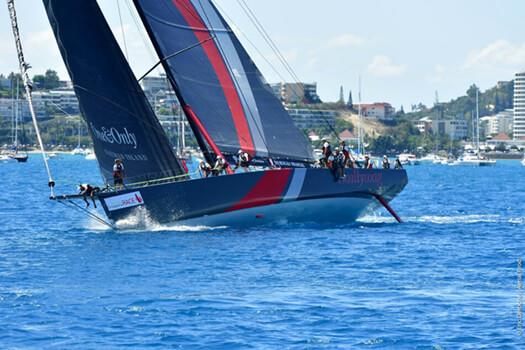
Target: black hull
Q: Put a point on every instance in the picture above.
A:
(291, 194)
(20, 158)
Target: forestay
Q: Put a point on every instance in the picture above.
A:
(119, 117)
(220, 82)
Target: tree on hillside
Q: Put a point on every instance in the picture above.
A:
(48, 81)
(350, 102)
(471, 92)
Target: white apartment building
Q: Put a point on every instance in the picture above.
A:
(519, 106)
(456, 129)
(499, 123)
(7, 109)
(378, 110)
(312, 118)
(63, 101)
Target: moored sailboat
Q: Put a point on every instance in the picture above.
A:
(474, 157)
(18, 154)
(229, 107)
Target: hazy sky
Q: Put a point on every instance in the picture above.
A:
(404, 50)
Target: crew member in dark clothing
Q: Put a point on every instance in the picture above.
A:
(386, 163)
(398, 165)
(86, 190)
(220, 166)
(327, 151)
(366, 164)
(243, 160)
(118, 174)
(204, 168)
(346, 153)
(338, 164)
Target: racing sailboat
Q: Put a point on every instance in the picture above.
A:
(229, 107)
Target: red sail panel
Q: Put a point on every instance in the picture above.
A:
(239, 118)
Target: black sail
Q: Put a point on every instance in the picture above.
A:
(116, 110)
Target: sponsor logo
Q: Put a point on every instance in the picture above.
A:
(114, 136)
(362, 178)
(123, 201)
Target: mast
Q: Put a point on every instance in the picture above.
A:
(477, 120)
(17, 107)
(12, 112)
(359, 120)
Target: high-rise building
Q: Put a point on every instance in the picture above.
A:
(519, 106)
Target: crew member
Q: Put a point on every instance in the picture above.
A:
(86, 190)
(220, 166)
(386, 163)
(118, 174)
(204, 168)
(327, 151)
(367, 162)
(243, 160)
(398, 165)
(346, 153)
(338, 164)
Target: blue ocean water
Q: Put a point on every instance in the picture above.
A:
(445, 279)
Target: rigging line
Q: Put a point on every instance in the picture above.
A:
(175, 54)
(260, 28)
(267, 38)
(122, 30)
(261, 134)
(251, 43)
(70, 204)
(145, 41)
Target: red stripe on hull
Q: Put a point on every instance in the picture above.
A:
(194, 20)
(268, 190)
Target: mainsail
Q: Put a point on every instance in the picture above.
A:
(219, 81)
(119, 117)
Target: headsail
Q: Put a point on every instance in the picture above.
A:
(220, 82)
(119, 117)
